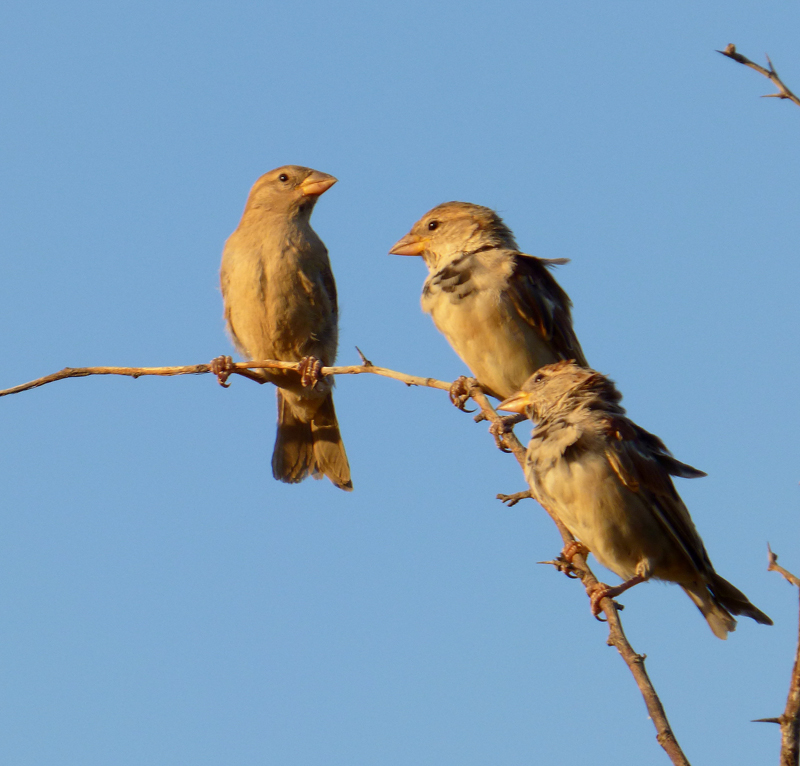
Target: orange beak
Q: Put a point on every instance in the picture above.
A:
(411, 244)
(317, 183)
(519, 402)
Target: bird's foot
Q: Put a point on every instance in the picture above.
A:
(310, 369)
(222, 367)
(512, 500)
(564, 560)
(459, 393)
(600, 590)
(572, 549)
(597, 593)
(505, 425)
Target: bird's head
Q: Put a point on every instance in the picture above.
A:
(289, 190)
(452, 229)
(559, 388)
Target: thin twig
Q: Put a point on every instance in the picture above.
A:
(199, 369)
(789, 720)
(783, 91)
(616, 635)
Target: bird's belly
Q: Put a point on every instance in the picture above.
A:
(614, 523)
(498, 346)
(286, 323)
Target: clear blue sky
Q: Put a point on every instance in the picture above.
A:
(162, 599)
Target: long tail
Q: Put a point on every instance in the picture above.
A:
(310, 448)
(719, 601)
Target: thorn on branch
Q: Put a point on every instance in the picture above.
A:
(767, 720)
(366, 362)
(730, 52)
(773, 566)
(566, 567)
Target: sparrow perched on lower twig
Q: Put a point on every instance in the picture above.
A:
(609, 482)
(501, 310)
(280, 303)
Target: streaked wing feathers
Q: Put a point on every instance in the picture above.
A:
(643, 464)
(542, 303)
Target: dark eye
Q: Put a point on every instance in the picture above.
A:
(539, 377)
(283, 177)
(433, 225)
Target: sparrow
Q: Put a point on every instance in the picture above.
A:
(280, 303)
(500, 309)
(610, 482)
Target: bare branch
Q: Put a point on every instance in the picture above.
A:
(506, 437)
(790, 718)
(239, 368)
(616, 636)
(771, 73)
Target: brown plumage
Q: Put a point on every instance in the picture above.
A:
(609, 481)
(501, 310)
(280, 303)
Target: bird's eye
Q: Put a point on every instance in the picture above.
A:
(433, 225)
(283, 177)
(539, 377)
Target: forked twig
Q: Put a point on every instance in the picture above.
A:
(771, 74)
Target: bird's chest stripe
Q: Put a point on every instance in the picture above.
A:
(455, 280)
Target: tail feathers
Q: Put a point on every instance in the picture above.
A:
(309, 448)
(719, 601)
(718, 618)
(329, 451)
(293, 456)
(735, 601)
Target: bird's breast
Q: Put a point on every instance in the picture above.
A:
(484, 329)
(277, 302)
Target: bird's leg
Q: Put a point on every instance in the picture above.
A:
(459, 393)
(600, 590)
(310, 368)
(512, 500)
(222, 367)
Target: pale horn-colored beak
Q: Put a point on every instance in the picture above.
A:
(317, 183)
(519, 402)
(411, 244)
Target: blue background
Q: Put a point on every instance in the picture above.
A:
(162, 599)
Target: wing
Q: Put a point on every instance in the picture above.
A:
(542, 303)
(644, 465)
(329, 284)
